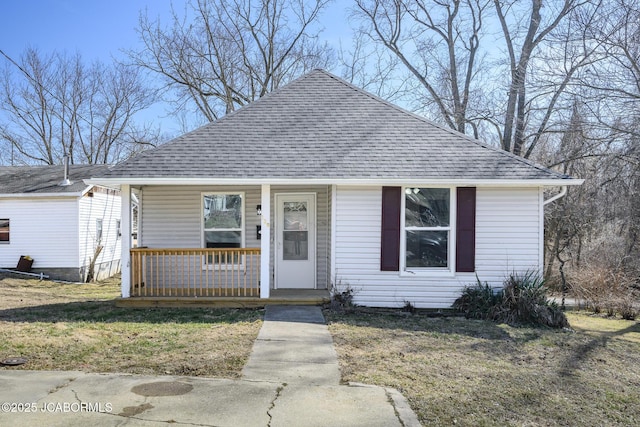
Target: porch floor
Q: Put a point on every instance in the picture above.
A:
(276, 297)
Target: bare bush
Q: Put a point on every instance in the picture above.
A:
(604, 288)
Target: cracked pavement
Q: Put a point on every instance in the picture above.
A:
(291, 379)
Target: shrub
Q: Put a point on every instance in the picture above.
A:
(523, 300)
(408, 307)
(342, 298)
(477, 301)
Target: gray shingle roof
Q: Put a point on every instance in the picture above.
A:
(45, 179)
(321, 127)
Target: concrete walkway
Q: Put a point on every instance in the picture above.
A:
(291, 379)
(293, 347)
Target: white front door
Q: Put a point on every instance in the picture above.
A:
(295, 241)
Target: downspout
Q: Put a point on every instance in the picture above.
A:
(561, 194)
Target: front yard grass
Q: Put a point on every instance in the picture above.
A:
(453, 371)
(77, 327)
(462, 372)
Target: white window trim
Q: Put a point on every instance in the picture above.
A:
(241, 265)
(448, 271)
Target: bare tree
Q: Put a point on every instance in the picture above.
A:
(55, 105)
(30, 108)
(224, 54)
(509, 85)
(615, 82)
(438, 42)
(531, 43)
(374, 70)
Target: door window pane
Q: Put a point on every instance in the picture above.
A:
(295, 235)
(295, 216)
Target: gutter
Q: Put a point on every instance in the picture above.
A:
(41, 195)
(561, 194)
(112, 182)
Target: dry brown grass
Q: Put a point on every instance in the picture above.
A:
(77, 327)
(476, 373)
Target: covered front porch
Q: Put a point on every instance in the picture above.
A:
(226, 245)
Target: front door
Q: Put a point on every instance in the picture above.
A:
(295, 241)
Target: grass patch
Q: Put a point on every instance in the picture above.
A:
(77, 327)
(478, 373)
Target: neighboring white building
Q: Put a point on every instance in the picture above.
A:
(320, 184)
(61, 227)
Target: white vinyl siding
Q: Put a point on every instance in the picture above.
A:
(507, 239)
(44, 229)
(103, 205)
(508, 227)
(172, 216)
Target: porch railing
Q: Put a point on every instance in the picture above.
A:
(195, 272)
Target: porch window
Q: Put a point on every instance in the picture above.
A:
(4, 230)
(427, 227)
(223, 220)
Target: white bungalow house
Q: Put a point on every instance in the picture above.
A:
(59, 225)
(320, 184)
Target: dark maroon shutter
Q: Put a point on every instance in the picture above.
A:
(466, 229)
(390, 241)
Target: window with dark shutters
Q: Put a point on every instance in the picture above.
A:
(390, 241)
(466, 229)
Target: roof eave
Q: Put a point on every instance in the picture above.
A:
(73, 195)
(546, 182)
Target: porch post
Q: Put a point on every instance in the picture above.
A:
(332, 243)
(265, 242)
(125, 229)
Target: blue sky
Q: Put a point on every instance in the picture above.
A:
(100, 29)
(94, 28)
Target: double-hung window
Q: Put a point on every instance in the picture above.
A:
(427, 228)
(223, 221)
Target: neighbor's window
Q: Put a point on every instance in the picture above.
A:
(223, 220)
(427, 227)
(4, 230)
(98, 231)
